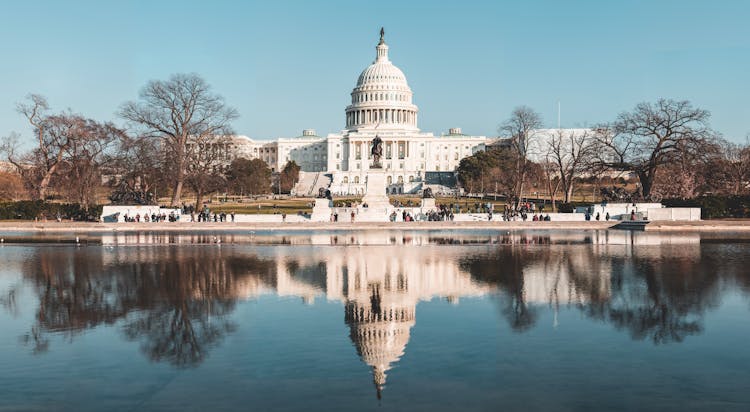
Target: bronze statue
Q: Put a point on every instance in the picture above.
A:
(377, 152)
(427, 194)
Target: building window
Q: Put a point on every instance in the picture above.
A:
(346, 179)
(356, 179)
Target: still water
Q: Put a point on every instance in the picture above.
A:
(393, 320)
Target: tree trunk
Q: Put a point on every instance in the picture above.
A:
(43, 185)
(568, 192)
(198, 199)
(177, 193)
(180, 178)
(647, 183)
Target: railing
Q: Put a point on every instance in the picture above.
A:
(314, 184)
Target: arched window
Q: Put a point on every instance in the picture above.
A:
(400, 180)
(411, 179)
(346, 179)
(389, 179)
(356, 179)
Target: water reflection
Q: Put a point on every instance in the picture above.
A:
(177, 301)
(179, 298)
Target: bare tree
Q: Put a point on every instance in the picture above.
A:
(38, 166)
(652, 135)
(521, 127)
(138, 170)
(570, 153)
(209, 157)
(735, 162)
(80, 174)
(178, 110)
(67, 146)
(552, 180)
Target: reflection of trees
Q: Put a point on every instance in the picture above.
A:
(659, 294)
(660, 298)
(176, 301)
(504, 269)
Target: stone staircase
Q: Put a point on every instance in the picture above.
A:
(309, 183)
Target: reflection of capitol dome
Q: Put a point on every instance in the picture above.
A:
(380, 332)
(382, 97)
(380, 287)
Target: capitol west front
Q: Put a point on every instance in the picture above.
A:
(381, 104)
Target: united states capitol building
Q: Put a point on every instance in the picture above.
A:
(381, 104)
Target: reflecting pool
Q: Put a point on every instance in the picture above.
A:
(378, 320)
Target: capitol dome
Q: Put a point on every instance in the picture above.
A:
(382, 98)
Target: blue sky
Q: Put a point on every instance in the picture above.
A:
(289, 65)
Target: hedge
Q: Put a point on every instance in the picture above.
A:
(715, 207)
(712, 207)
(32, 209)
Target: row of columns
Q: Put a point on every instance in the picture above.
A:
(364, 149)
(224, 149)
(367, 116)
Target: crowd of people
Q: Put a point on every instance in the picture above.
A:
(205, 215)
(153, 217)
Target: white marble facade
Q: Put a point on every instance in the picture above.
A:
(381, 104)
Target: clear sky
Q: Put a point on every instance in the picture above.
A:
(289, 65)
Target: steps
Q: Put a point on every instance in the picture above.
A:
(309, 183)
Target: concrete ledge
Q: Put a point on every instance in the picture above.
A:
(14, 226)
